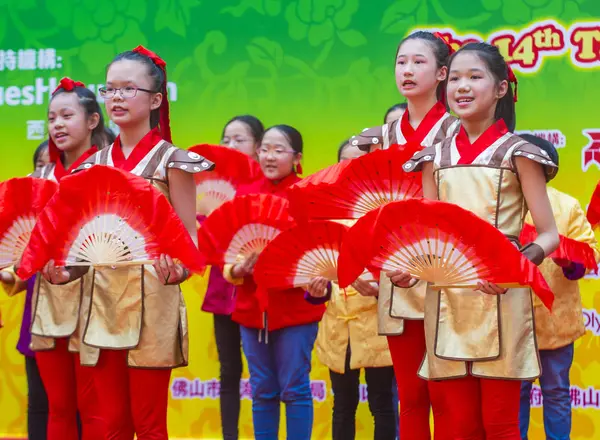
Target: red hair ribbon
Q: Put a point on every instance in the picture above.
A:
(68, 85)
(512, 79)
(163, 121)
(448, 45)
(299, 168)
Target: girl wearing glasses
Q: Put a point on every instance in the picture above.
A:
(243, 133)
(278, 338)
(136, 331)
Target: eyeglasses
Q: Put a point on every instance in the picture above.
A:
(276, 151)
(125, 92)
(234, 142)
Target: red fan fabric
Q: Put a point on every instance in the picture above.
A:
(242, 226)
(136, 213)
(21, 201)
(350, 189)
(568, 249)
(593, 210)
(399, 231)
(299, 254)
(232, 169)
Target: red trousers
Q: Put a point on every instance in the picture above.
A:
(416, 395)
(131, 400)
(69, 387)
(482, 409)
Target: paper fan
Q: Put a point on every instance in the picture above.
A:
(439, 242)
(568, 249)
(21, 201)
(299, 254)
(243, 226)
(107, 217)
(232, 169)
(353, 188)
(593, 209)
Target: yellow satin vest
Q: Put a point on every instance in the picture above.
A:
(565, 324)
(351, 319)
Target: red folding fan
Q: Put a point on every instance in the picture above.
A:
(21, 201)
(300, 254)
(568, 249)
(593, 209)
(232, 169)
(107, 217)
(353, 188)
(439, 242)
(243, 226)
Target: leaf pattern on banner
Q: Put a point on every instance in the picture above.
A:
(399, 17)
(174, 15)
(271, 8)
(319, 21)
(266, 53)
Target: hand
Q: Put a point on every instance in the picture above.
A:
(54, 274)
(168, 271)
(246, 267)
(490, 288)
(317, 287)
(366, 288)
(7, 277)
(402, 279)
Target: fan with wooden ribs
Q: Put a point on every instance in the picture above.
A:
(439, 242)
(568, 249)
(21, 201)
(350, 189)
(232, 169)
(243, 226)
(107, 217)
(300, 254)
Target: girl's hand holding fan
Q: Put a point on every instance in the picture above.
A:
(104, 216)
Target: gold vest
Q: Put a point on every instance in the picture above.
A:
(468, 332)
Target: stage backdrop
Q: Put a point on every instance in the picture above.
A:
(325, 67)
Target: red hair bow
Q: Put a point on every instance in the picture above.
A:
(164, 123)
(512, 79)
(68, 85)
(448, 45)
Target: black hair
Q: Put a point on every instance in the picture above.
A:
(440, 51)
(400, 106)
(545, 145)
(493, 59)
(342, 146)
(157, 76)
(87, 99)
(256, 127)
(293, 136)
(109, 136)
(38, 152)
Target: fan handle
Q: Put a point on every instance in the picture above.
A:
(119, 264)
(472, 286)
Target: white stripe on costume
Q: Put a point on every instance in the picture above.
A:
(485, 156)
(142, 164)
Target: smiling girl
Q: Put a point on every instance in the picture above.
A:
(481, 344)
(136, 330)
(277, 338)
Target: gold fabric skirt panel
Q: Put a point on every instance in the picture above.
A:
(387, 325)
(409, 303)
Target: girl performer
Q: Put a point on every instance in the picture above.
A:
(420, 71)
(277, 339)
(243, 133)
(76, 127)
(136, 330)
(481, 344)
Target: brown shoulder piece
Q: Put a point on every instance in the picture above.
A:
(369, 137)
(416, 162)
(189, 161)
(538, 155)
